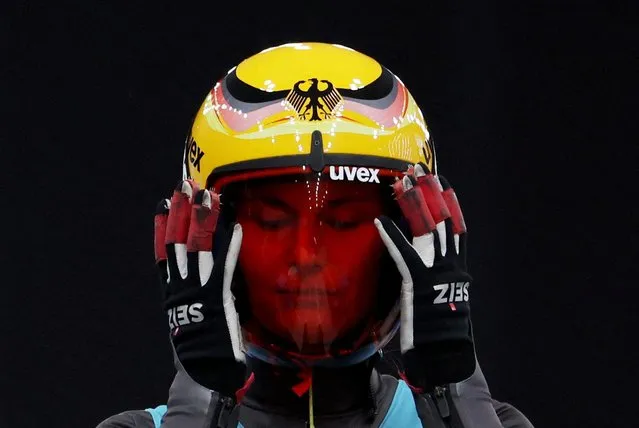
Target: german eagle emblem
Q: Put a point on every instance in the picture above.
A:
(314, 99)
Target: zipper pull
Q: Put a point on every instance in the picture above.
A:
(442, 403)
(226, 406)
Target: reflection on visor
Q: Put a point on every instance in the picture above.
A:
(311, 259)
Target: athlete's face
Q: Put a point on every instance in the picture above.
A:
(310, 256)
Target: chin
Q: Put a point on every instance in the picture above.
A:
(315, 328)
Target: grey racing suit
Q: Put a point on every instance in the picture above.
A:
(350, 397)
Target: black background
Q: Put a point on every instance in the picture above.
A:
(533, 110)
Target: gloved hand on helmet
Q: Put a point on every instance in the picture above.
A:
(435, 334)
(196, 281)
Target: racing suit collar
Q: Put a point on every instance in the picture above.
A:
(336, 391)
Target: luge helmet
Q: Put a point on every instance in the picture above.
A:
(303, 141)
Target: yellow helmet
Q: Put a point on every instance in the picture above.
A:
(303, 140)
(310, 105)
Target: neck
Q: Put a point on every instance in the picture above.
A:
(334, 390)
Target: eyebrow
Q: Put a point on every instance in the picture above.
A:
(347, 199)
(269, 200)
(333, 203)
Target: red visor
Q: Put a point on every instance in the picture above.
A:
(311, 261)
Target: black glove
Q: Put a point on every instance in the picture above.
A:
(435, 333)
(204, 324)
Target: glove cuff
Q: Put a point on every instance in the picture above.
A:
(224, 376)
(428, 366)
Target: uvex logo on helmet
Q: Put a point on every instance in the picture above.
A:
(352, 173)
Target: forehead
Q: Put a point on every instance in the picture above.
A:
(302, 189)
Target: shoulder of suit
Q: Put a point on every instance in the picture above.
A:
(128, 419)
(510, 416)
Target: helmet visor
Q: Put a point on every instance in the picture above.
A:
(311, 260)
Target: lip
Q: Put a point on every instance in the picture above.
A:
(307, 299)
(305, 292)
(309, 285)
(306, 289)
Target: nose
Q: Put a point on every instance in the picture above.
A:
(309, 255)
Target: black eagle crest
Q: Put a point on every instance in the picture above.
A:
(314, 103)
